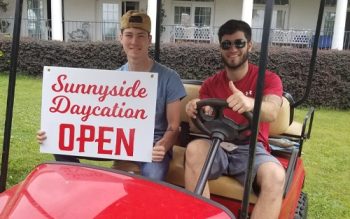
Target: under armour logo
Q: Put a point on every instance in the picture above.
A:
(249, 93)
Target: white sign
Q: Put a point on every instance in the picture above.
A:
(98, 113)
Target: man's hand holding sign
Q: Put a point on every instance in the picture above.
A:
(130, 109)
(99, 113)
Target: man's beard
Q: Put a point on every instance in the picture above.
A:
(233, 66)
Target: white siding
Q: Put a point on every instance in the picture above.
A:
(303, 14)
(80, 10)
(227, 9)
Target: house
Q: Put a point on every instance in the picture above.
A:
(293, 21)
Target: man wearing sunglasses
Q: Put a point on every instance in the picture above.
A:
(236, 84)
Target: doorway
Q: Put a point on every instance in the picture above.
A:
(347, 32)
(130, 5)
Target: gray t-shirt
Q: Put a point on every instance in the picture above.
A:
(170, 89)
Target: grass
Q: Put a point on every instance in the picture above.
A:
(24, 150)
(326, 154)
(327, 162)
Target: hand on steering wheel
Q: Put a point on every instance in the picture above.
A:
(216, 124)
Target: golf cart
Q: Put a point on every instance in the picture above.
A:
(67, 190)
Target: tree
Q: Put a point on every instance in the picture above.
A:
(3, 23)
(162, 16)
(3, 5)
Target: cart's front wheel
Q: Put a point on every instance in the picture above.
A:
(301, 210)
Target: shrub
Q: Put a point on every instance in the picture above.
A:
(197, 61)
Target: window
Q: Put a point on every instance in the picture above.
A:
(328, 24)
(178, 15)
(331, 3)
(34, 14)
(193, 12)
(194, 18)
(277, 22)
(280, 18)
(277, 2)
(127, 6)
(329, 16)
(110, 15)
(202, 16)
(196, 0)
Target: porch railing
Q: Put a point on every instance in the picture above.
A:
(192, 34)
(77, 31)
(299, 38)
(90, 31)
(73, 30)
(37, 29)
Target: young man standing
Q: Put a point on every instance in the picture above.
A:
(236, 84)
(136, 40)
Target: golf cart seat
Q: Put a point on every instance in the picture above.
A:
(296, 132)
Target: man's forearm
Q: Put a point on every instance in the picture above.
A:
(270, 107)
(170, 137)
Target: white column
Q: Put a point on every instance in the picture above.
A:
(56, 20)
(339, 24)
(152, 13)
(247, 11)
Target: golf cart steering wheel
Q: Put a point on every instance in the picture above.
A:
(217, 125)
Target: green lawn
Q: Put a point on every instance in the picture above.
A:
(327, 162)
(326, 154)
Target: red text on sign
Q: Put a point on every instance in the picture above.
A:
(91, 134)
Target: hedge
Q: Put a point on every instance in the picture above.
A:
(330, 85)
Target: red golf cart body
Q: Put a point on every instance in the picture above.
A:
(62, 190)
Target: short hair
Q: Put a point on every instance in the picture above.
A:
(232, 26)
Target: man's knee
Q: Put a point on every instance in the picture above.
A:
(272, 176)
(279, 175)
(196, 151)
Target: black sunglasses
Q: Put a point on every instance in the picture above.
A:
(239, 44)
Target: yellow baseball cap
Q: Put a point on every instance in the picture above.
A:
(136, 19)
